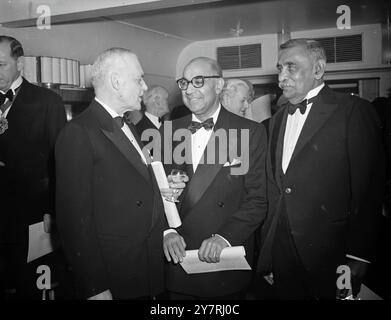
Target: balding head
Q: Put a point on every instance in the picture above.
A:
(207, 64)
(117, 78)
(156, 101)
(202, 95)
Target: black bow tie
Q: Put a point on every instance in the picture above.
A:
(293, 107)
(3, 96)
(207, 124)
(120, 121)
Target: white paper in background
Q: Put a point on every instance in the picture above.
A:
(40, 242)
(64, 71)
(170, 208)
(231, 258)
(69, 72)
(56, 70)
(46, 70)
(364, 294)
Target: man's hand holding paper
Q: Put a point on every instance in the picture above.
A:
(211, 248)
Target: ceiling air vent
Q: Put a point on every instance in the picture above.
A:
(343, 49)
(240, 57)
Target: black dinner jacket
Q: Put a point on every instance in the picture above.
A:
(331, 191)
(218, 202)
(110, 213)
(27, 151)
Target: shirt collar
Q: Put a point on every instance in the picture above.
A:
(15, 85)
(214, 116)
(107, 108)
(314, 92)
(151, 116)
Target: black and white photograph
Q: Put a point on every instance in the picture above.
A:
(195, 157)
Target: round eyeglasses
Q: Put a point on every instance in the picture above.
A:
(197, 82)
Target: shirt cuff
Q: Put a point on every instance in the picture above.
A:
(356, 258)
(168, 231)
(229, 245)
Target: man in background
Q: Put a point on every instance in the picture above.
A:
(237, 96)
(30, 119)
(156, 109)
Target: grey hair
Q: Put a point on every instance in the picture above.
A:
(313, 48)
(234, 83)
(153, 90)
(104, 62)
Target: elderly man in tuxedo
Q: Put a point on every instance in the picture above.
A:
(30, 119)
(325, 179)
(219, 208)
(110, 212)
(156, 107)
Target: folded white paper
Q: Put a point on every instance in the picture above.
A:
(231, 258)
(40, 242)
(170, 208)
(364, 294)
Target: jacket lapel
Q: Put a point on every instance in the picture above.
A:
(20, 114)
(120, 140)
(277, 144)
(323, 106)
(205, 173)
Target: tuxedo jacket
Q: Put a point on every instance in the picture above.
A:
(215, 201)
(109, 209)
(331, 191)
(27, 151)
(144, 124)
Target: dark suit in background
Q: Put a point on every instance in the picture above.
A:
(27, 177)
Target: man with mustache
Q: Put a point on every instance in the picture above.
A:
(325, 180)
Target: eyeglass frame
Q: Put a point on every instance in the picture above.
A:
(191, 81)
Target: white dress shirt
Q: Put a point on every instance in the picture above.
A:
(125, 129)
(200, 139)
(294, 125)
(16, 84)
(154, 119)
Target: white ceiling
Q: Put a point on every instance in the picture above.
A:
(215, 20)
(201, 19)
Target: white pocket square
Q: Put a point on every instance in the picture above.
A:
(234, 162)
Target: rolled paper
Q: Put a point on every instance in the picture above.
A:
(46, 70)
(170, 208)
(56, 70)
(64, 72)
(70, 71)
(30, 69)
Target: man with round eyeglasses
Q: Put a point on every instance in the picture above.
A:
(217, 209)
